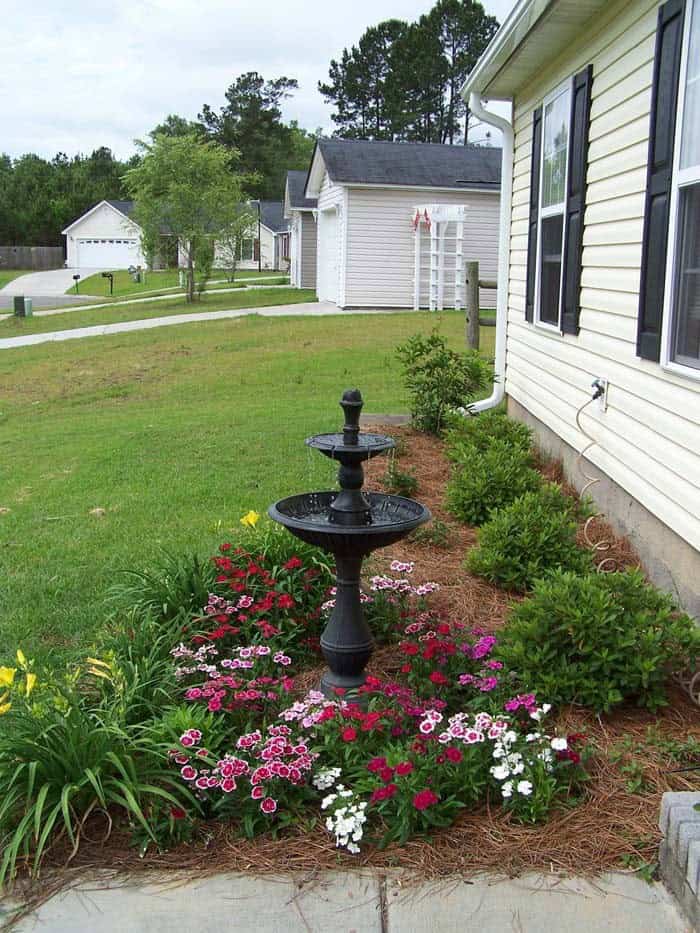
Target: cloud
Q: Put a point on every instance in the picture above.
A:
(79, 74)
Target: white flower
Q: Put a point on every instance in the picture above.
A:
(559, 744)
(533, 736)
(327, 801)
(524, 788)
(500, 772)
(507, 789)
(517, 768)
(352, 848)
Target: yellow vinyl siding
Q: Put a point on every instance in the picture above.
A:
(648, 440)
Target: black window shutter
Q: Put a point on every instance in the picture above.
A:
(576, 198)
(664, 100)
(534, 209)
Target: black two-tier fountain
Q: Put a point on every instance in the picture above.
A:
(349, 524)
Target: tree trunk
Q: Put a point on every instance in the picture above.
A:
(190, 273)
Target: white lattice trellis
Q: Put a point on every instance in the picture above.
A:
(439, 256)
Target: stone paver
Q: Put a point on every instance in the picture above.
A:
(360, 902)
(312, 309)
(535, 904)
(339, 902)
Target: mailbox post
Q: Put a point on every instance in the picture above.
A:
(76, 279)
(110, 276)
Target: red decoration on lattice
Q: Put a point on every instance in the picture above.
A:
(427, 217)
(416, 220)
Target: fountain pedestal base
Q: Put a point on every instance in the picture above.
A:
(346, 642)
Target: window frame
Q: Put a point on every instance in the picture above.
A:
(556, 210)
(680, 179)
(251, 258)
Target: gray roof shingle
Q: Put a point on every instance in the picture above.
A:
(124, 207)
(296, 186)
(431, 165)
(272, 215)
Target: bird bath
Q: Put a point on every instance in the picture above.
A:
(349, 524)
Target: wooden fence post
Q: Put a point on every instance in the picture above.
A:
(472, 304)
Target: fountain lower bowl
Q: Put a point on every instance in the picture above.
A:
(307, 517)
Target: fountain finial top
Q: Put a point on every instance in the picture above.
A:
(351, 403)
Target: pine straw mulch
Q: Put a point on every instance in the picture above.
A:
(609, 824)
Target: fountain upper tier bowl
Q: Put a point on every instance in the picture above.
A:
(364, 446)
(390, 519)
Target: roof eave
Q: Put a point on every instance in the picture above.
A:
(515, 54)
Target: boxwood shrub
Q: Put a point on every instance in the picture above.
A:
(598, 640)
(490, 479)
(523, 540)
(470, 433)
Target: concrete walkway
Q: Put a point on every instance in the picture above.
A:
(360, 902)
(49, 282)
(303, 309)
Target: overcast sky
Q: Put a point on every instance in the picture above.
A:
(78, 74)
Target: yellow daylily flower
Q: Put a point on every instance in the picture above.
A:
(21, 660)
(97, 661)
(250, 519)
(31, 682)
(7, 676)
(5, 708)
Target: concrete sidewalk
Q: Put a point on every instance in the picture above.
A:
(361, 902)
(309, 309)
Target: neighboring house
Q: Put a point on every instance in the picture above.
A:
(104, 238)
(300, 211)
(367, 197)
(599, 268)
(267, 244)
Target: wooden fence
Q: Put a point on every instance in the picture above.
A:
(31, 257)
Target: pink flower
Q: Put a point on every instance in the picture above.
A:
(257, 793)
(404, 768)
(376, 764)
(228, 784)
(268, 805)
(186, 740)
(349, 734)
(188, 772)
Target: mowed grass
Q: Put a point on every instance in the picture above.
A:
(125, 286)
(7, 275)
(171, 432)
(106, 314)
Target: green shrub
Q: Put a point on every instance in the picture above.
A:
(434, 534)
(475, 433)
(489, 481)
(525, 539)
(179, 583)
(597, 640)
(440, 380)
(400, 482)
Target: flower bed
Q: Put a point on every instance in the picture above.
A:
(227, 757)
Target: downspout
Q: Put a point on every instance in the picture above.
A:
(506, 128)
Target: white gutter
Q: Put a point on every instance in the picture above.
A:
(506, 128)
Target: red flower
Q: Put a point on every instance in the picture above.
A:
(406, 669)
(268, 805)
(293, 563)
(383, 793)
(225, 547)
(409, 648)
(386, 774)
(454, 755)
(443, 628)
(349, 734)
(177, 813)
(285, 601)
(424, 799)
(376, 764)
(437, 677)
(404, 768)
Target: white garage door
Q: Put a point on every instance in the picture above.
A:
(328, 255)
(94, 253)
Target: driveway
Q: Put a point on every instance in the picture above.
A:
(38, 285)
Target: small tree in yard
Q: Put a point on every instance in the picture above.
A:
(243, 224)
(184, 187)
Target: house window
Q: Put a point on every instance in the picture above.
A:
(683, 280)
(246, 252)
(556, 114)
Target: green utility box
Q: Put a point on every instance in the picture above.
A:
(23, 306)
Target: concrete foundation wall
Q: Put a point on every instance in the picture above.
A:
(671, 563)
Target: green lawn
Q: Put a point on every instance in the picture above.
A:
(7, 275)
(125, 286)
(170, 431)
(106, 314)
